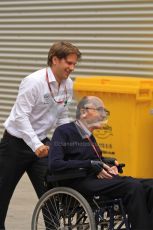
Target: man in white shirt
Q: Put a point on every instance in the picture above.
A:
(41, 104)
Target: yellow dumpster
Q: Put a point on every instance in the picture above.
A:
(129, 133)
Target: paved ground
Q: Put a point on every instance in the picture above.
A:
(22, 206)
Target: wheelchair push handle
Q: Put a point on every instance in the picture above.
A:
(111, 162)
(120, 167)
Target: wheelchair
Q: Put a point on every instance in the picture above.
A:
(63, 208)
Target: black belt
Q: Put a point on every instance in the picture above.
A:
(8, 135)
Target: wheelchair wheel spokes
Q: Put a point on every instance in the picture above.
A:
(63, 209)
(82, 221)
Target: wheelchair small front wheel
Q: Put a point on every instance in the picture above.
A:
(63, 208)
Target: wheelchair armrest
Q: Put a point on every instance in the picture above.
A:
(109, 160)
(66, 175)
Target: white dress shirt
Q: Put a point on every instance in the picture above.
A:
(35, 112)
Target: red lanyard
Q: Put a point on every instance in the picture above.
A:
(91, 142)
(93, 146)
(51, 92)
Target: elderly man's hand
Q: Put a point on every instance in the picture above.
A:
(107, 172)
(42, 151)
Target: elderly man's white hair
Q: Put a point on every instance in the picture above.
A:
(86, 102)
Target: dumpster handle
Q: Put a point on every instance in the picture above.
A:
(144, 95)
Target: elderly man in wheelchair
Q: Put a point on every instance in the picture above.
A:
(87, 191)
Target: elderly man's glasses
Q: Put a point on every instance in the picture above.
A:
(102, 110)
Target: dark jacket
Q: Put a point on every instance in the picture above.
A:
(69, 150)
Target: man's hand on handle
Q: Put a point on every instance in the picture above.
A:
(107, 172)
(42, 151)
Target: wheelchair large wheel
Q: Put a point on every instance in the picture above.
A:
(63, 208)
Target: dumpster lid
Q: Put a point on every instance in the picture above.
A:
(141, 87)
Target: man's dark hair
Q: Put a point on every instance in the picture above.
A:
(62, 50)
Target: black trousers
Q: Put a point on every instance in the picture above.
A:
(136, 194)
(16, 158)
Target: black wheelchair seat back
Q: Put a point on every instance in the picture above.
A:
(67, 174)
